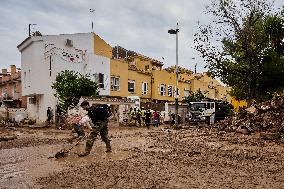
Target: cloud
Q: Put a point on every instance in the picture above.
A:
(139, 25)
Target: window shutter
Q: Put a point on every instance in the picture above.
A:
(96, 75)
(146, 88)
(142, 88)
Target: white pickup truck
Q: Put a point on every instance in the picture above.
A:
(202, 111)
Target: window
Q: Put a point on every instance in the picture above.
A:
(147, 67)
(131, 86)
(144, 88)
(14, 89)
(186, 92)
(32, 100)
(114, 83)
(170, 90)
(99, 78)
(132, 63)
(69, 43)
(208, 106)
(163, 89)
(198, 106)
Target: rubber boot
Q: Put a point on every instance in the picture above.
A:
(108, 147)
(87, 150)
(84, 154)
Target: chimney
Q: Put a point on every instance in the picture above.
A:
(4, 71)
(13, 69)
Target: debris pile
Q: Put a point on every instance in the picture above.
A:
(264, 117)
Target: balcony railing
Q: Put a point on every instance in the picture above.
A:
(7, 97)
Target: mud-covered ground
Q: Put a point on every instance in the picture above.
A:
(156, 158)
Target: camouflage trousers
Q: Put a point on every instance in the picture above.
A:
(99, 127)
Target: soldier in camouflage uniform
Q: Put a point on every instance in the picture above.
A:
(99, 125)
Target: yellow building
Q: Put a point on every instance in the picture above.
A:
(209, 86)
(134, 74)
(131, 74)
(101, 47)
(164, 85)
(127, 81)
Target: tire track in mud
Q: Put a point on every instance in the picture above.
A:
(181, 159)
(155, 158)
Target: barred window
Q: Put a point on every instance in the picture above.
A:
(170, 90)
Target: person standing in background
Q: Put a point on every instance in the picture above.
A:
(48, 114)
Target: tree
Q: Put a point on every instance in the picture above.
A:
(70, 86)
(244, 46)
(197, 96)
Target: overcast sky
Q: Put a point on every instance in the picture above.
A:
(139, 25)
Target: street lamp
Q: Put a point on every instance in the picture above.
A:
(175, 31)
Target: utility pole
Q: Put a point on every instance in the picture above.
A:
(30, 29)
(172, 31)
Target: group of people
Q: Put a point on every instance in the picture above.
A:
(144, 117)
(96, 120)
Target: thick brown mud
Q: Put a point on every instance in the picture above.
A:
(141, 158)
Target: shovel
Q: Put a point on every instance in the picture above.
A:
(63, 152)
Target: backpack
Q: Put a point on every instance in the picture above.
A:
(99, 112)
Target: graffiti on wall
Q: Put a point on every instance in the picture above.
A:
(68, 55)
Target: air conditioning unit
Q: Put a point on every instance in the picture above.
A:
(69, 43)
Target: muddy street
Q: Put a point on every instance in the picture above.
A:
(156, 158)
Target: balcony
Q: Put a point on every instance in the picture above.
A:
(7, 97)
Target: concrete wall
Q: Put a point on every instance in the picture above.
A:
(33, 68)
(45, 56)
(119, 69)
(99, 64)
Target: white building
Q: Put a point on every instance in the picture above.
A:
(43, 57)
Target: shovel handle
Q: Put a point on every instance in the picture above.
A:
(83, 138)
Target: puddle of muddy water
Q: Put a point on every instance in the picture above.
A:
(20, 167)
